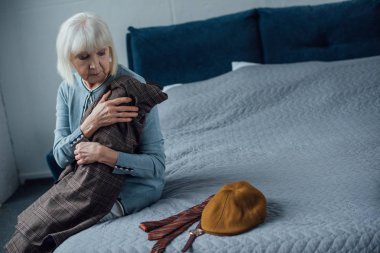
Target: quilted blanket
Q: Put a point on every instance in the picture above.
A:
(305, 134)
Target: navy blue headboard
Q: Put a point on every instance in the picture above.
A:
(193, 51)
(203, 49)
(326, 32)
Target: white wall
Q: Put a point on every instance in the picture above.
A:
(27, 56)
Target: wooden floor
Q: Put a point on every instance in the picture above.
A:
(22, 198)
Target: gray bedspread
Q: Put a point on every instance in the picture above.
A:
(306, 134)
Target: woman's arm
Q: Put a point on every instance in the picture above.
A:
(64, 139)
(149, 161)
(108, 112)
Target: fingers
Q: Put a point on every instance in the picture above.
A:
(105, 96)
(77, 147)
(120, 120)
(81, 155)
(127, 108)
(78, 157)
(81, 162)
(123, 117)
(113, 111)
(127, 115)
(122, 100)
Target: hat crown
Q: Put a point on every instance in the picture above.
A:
(235, 208)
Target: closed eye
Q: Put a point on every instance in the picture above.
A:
(101, 52)
(83, 56)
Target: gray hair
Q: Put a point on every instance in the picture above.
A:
(84, 31)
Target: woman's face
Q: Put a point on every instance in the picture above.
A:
(93, 67)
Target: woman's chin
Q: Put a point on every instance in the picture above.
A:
(93, 80)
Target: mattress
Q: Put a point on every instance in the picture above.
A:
(305, 134)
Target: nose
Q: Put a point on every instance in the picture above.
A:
(94, 63)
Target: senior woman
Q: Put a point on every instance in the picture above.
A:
(84, 194)
(87, 61)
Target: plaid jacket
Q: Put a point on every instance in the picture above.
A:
(84, 194)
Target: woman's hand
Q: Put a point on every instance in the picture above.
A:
(108, 112)
(91, 152)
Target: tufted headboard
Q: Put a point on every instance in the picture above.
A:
(203, 49)
(193, 51)
(326, 32)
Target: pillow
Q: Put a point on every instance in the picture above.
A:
(168, 87)
(194, 51)
(235, 66)
(335, 31)
(240, 64)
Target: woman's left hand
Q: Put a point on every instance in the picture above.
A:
(91, 152)
(87, 152)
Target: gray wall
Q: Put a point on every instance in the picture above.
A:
(28, 76)
(8, 171)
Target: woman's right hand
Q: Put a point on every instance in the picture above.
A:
(108, 112)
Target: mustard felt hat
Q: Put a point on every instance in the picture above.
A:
(236, 208)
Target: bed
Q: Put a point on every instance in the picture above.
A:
(302, 126)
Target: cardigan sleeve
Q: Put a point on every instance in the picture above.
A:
(149, 160)
(64, 139)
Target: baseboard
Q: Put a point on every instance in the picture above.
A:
(34, 175)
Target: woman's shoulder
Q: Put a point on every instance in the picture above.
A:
(66, 88)
(122, 71)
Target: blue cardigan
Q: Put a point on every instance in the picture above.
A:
(146, 167)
